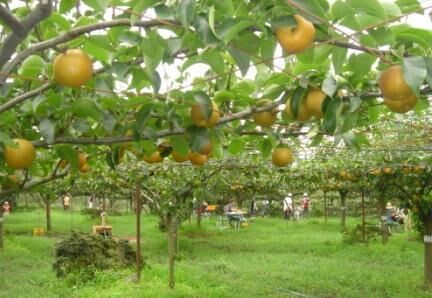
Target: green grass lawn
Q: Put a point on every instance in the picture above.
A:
(270, 258)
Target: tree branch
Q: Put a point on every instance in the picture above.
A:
(33, 183)
(13, 23)
(70, 35)
(361, 48)
(8, 48)
(161, 134)
(20, 98)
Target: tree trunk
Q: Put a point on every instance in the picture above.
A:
(171, 228)
(48, 215)
(384, 226)
(1, 230)
(428, 249)
(343, 195)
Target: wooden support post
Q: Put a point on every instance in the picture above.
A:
(1, 230)
(325, 207)
(138, 229)
(363, 216)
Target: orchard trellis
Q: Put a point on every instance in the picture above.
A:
(130, 104)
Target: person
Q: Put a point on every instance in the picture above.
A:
(305, 204)
(6, 208)
(253, 208)
(288, 206)
(66, 202)
(265, 206)
(390, 214)
(229, 209)
(407, 219)
(90, 202)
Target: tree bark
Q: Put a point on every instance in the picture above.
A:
(428, 249)
(48, 216)
(171, 227)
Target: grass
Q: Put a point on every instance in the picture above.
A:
(270, 258)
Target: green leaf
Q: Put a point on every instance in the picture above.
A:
(350, 121)
(241, 58)
(267, 49)
(86, 108)
(408, 5)
(414, 72)
(361, 64)
(198, 137)
(204, 31)
(406, 34)
(185, 12)
(143, 115)
(5, 139)
(355, 103)
(266, 147)
(59, 20)
(67, 152)
(382, 36)
(330, 115)
(339, 55)
(32, 66)
(391, 9)
(225, 6)
(370, 7)
(47, 130)
(329, 85)
(109, 122)
(204, 102)
(66, 5)
(156, 82)
(137, 10)
(164, 12)
(98, 5)
(231, 28)
(284, 21)
(312, 6)
(101, 41)
(428, 61)
(215, 60)
(236, 146)
(341, 9)
(296, 100)
(153, 53)
(179, 144)
(98, 52)
(316, 140)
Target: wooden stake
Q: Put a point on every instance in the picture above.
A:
(325, 207)
(363, 216)
(138, 229)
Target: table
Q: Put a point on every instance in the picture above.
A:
(236, 217)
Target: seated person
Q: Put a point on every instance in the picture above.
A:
(391, 214)
(229, 209)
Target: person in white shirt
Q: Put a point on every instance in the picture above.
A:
(288, 206)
